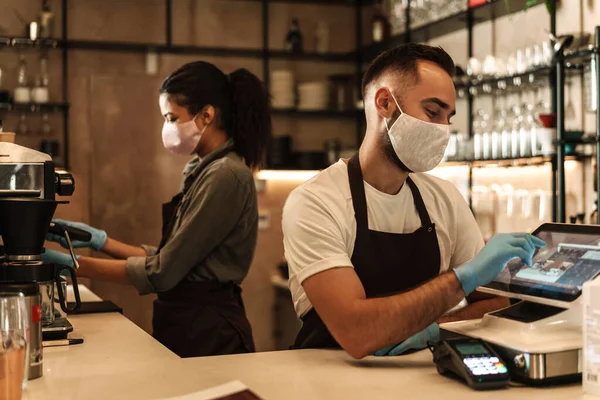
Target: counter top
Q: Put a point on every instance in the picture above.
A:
(120, 361)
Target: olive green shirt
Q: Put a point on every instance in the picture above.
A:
(214, 233)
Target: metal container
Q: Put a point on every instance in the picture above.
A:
(590, 85)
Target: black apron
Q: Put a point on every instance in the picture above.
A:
(386, 263)
(205, 318)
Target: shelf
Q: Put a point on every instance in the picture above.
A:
(33, 107)
(513, 162)
(316, 113)
(492, 84)
(133, 47)
(26, 43)
(311, 56)
(347, 3)
(446, 25)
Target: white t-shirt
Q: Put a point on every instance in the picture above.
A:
(319, 227)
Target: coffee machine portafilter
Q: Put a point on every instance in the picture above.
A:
(29, 183)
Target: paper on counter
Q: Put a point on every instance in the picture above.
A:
(234, 390)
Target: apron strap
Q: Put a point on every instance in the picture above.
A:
(357, 189)
(419, 203)
(359, 200)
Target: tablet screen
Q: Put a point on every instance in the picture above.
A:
(559, 270)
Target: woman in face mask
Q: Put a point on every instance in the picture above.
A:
(210, 227)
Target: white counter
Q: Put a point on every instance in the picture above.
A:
(120, 361)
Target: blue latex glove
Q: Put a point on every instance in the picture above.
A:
(57, 257)
(492, 259)
(98, 237)
(416, 342)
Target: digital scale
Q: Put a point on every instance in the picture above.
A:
(540, 337)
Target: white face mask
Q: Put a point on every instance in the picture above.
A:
(418, 144)
(181, 138)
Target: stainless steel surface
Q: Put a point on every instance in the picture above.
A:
(538, 367)
(33, 303)
(35, 257)
(71, 252)
(21, 179)
(564, 363)
(590, 80)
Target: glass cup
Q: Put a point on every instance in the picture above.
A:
(14, 345)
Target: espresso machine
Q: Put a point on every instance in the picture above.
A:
(29, 184)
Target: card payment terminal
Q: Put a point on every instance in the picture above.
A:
(471, 360)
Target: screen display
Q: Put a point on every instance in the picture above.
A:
(558, 271)
(466, 349)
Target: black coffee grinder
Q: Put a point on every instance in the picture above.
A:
(28, 185)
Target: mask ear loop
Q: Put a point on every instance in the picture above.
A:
(205, 125)
(397, 105)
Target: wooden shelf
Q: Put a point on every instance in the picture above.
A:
(35, 107)
(316, 113)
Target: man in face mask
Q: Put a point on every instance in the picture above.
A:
(378, 252)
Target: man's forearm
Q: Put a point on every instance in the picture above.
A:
(113, 271)
(476, 310)
(122, 251)
(390, 320)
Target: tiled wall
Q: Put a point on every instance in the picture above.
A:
(123, 173)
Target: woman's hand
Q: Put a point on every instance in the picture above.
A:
(97, 242)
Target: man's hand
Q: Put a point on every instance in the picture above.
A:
(416, 342)
(362, 326)
(493, 258)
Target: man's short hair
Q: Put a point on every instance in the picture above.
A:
(403, 59)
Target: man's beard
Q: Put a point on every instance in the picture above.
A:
(388, 150)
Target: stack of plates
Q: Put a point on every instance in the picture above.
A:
(313, 96)
(282, 89)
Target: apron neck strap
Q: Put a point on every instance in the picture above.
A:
(357, 189)
(359, 200)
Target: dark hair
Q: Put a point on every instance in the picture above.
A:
(240, 98)
(404, 59)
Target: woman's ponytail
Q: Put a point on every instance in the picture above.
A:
(250, 116)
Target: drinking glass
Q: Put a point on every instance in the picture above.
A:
(521, 61)
(516, 132)
(546, 53)
(14, 346)
(490, 68)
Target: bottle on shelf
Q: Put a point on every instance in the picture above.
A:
(22, 92)
(380, 23)
(322, 37)
(293, 39)
(46, 20)
(49, 144)
(45, 129)
(22, 128)
(39, 94)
